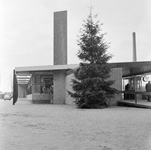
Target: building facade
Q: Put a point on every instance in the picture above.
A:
(50, 84)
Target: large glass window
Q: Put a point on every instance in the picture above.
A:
(47, 84)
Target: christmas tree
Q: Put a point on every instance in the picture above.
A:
(91, 86)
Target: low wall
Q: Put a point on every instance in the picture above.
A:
(40, 98)
(29, 96)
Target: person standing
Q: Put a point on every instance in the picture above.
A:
(127, 88)
(148, 89)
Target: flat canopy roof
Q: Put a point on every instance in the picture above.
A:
(45, 68)
(128, 68)
(23, 78)
(133, 68)
(24, 73)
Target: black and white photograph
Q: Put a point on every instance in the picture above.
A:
(75, 75)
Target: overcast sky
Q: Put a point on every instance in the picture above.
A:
(26, 31)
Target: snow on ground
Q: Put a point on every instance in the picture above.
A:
(27, 126)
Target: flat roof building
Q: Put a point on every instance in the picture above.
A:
(51, 83)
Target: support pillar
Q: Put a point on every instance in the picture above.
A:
(59, 87)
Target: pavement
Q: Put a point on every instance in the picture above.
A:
(27, 126)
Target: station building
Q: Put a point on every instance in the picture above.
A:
(51, 83)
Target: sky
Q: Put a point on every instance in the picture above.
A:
(26, 31)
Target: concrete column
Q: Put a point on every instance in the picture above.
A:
(60, 38)
(59, 87)
(116, 75)
(32, 83)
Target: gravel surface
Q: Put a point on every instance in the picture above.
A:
(27, 126)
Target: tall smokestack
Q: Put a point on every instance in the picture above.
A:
(134, 47)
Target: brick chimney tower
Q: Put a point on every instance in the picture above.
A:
(60, 38)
